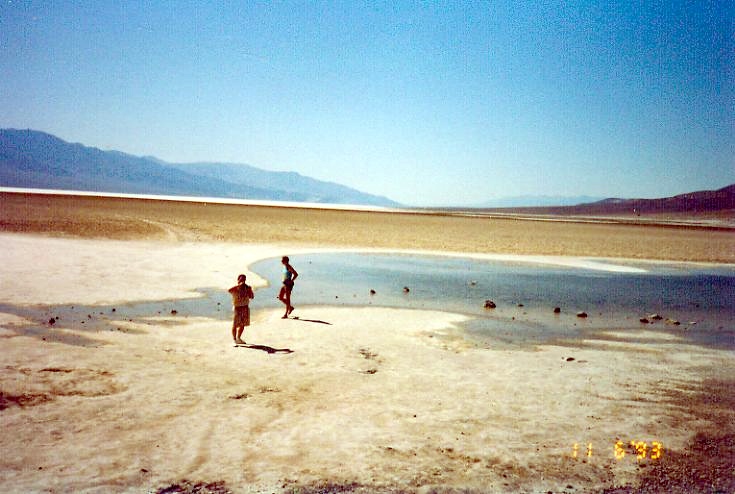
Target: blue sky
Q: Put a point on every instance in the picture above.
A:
(428, 103)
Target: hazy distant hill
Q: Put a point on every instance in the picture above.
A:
(692, 203)
(290, 183)
(33, 159)
(538, 201)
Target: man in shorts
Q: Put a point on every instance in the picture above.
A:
(241, 295)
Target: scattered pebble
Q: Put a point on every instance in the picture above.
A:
(174, 312)
(372, 292)
(489, 304)
(581, 314)
(557, 310)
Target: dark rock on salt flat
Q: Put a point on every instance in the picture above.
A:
(489, 304)
(581, 314)
(557, 310)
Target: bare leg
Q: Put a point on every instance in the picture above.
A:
(285, 296)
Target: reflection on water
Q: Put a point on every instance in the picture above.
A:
(699, 298)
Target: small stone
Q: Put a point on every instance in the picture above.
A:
(570, 359)
(174, 312)
(372, 292)
(52, 321)
(581, 314)
(489, 304)
(644, 320)
(557, 310)
(520, 305)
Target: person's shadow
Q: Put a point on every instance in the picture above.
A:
(297, 318)
(265, 348)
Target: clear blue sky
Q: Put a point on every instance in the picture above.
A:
(428, 103)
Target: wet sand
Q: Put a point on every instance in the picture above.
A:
(97, 397)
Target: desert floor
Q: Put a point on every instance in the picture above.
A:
(97, 396)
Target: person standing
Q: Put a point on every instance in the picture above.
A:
(289, 277)
(241, 295)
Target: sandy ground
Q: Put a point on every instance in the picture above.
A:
(185, 221)
(369, 399)
(96, 396)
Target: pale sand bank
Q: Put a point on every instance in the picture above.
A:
(386, 398)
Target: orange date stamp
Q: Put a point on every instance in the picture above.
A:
(640, 450)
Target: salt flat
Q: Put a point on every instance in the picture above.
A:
(99, 398)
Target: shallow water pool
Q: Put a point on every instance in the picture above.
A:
(699, 297)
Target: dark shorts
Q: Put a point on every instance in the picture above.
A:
(242, 316)
(288, 284)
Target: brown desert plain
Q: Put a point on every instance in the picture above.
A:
(98, 397)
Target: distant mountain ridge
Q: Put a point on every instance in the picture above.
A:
(704, 201)
(538, 201)
(34, 159)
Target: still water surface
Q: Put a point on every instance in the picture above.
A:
(700, 298)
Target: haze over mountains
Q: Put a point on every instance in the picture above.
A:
(538, 201)
(33, 159)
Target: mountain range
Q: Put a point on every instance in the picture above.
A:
(33, 159)
(692, 203)
(538, 201)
